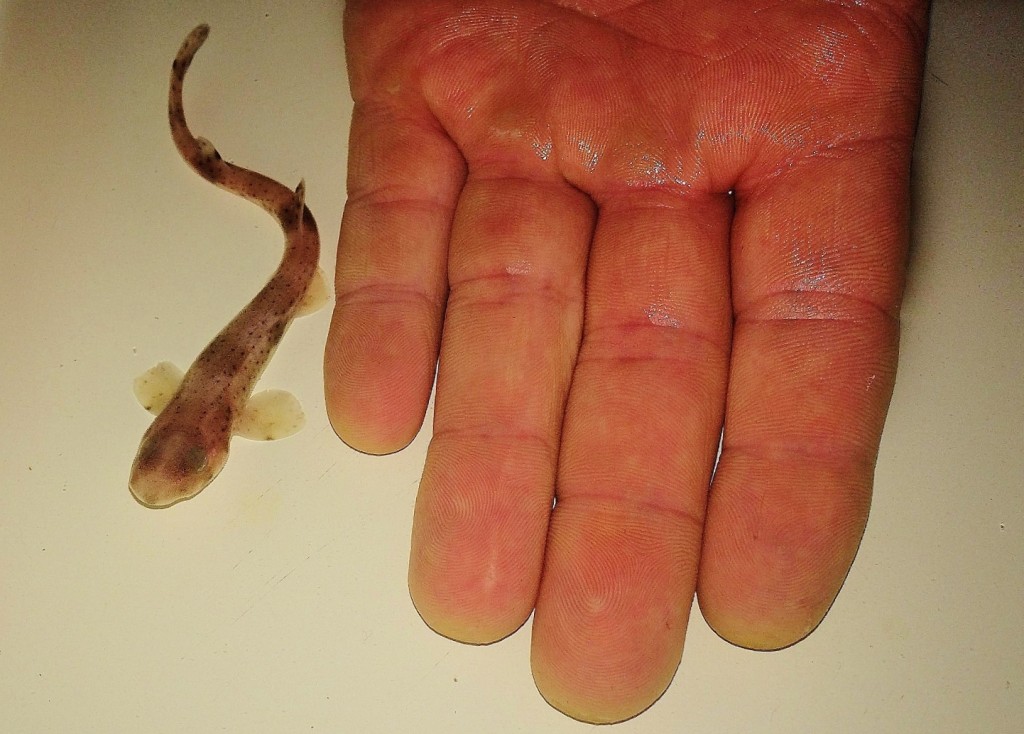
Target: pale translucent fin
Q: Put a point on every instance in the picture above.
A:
(208, 149)
(270, 415)
(155, 387)
(316, 295)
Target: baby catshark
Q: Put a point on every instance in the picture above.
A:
(199, 411)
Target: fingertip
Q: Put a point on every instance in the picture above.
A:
(563, 693)
(378, 374)
(369, 432)
(470, 624)
(764, 633)
(777, 548)
(612, 613)
(478, 536)
(369, 441)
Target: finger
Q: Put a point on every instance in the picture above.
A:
(639, 440)
(817, 277)
(511, 333)
(390, 279)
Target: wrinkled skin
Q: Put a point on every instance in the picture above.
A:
(637, 222)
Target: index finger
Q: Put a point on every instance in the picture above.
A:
(817, 278)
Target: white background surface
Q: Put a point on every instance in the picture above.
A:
(276, 601)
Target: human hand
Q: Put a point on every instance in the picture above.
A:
(637, 222)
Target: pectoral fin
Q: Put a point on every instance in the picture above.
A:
(155, 387)
(270, 415)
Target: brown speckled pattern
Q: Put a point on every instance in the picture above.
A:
(187, 444)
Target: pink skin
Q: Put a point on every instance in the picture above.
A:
(637, 222)
(187, 444)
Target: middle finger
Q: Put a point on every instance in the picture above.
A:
(641, 428)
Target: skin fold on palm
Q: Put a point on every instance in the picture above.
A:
(623, 231)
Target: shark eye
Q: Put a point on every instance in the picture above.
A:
(194, 460)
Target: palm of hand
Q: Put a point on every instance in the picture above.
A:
(637, 222)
